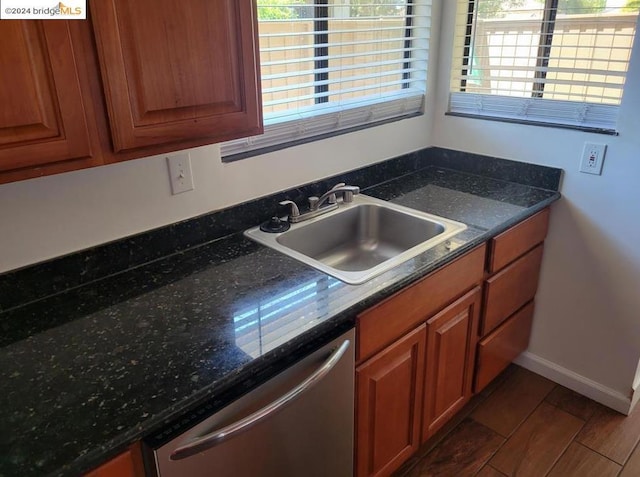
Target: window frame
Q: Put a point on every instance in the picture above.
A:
(547, 30)
(230, 151)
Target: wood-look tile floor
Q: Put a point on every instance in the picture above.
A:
(527, 426)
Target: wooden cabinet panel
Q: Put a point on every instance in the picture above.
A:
(174, 71)
(387, 321)
(511, 288)
(127, 464)
(42, 119)
(497, 350)
(389, 390)
(451, 350)
(520, 238)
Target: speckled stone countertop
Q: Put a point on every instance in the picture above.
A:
(187, 333)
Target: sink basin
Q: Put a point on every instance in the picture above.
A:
(360, 240)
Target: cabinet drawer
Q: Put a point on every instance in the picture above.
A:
(509, 245)
(510, 288)
(497, 350)
(393, 317)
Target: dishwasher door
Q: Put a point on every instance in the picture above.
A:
(261, 435)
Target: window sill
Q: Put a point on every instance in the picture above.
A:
(277, 147)
(609, 132)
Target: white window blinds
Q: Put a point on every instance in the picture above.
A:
(550, 61)
(332, 65)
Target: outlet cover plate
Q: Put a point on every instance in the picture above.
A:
(592, 158)
(180, 173)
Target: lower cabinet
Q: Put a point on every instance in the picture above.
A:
(451, 341)
(127, 464)
(514, 261)
(389, 395)
(425, 351)
(410, 387)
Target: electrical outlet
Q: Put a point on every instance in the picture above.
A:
(180, 173)
(592, 158)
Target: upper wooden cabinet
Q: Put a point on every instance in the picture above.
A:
(139, 78)
(174, 71)
(42, 118)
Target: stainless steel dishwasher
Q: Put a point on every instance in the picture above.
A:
(299, 423)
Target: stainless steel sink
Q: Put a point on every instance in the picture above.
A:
(360, 240)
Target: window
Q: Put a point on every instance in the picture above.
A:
(335, 65)
(560, 62)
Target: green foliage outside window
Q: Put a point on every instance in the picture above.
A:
(286, 9)
(576, 7)
(383, 8)
(632, 6)
(274, 9)
(498, 8)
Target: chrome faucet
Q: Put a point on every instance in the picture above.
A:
(315, 203)
(330, 196)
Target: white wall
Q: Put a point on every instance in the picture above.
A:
(587, 310)
(50, 216)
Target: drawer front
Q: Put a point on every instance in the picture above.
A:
(497, 350)
(393, 317)
(510, 288)
(509, 245)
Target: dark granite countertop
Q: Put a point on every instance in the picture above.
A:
(138, 349)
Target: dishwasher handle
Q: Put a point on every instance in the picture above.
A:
(218, 436)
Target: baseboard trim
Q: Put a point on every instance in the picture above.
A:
(634, 399)
(576, 382)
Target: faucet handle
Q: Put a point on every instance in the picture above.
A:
(349, 192)
(332, 198)
(294, 211)
(313, 202)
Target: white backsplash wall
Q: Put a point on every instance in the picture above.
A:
(587, 317)
(51, 216)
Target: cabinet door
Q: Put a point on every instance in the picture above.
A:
(127, 464)
(389, 396)
(451, 341)
(175, 71)
(42, 119)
